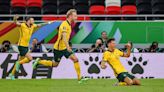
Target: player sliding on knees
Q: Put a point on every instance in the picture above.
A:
(26, 29)
(62, 48)
(112, 57)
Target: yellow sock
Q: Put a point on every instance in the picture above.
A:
(77, 68)
(25, 60)
(14, 69)
(46, 62)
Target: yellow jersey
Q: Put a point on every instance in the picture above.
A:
(64, 27)
(113, 59)
(25, 34)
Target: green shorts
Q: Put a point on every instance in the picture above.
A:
(58, 54)
(22, 50)
(123, 75)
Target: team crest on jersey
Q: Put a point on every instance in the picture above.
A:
(64, 28)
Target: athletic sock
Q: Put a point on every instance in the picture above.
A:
(25, 60)
(77, 68)
(46, 63)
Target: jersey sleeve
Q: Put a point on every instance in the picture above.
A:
(120, 53)
(21, 25)
(63, 27)
(105, 56)
(34, 25)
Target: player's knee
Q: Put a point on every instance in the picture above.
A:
(30, 58)
(55, 64)
(75, 60)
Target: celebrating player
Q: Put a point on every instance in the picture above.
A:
(61, 46)
(26, 29)
(111, 56)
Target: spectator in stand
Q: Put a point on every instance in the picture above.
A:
(104, 38)
(154, 47)
(6, 47)
(133, 50)
(97, 47)
(101, 43)
(37, 47)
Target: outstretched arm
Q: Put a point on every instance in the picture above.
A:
(42, 24)
(16, 21)
(66, 42)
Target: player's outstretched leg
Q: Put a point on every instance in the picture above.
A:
(26, 59)
(12, 74)
(45, 63)
(77, 68)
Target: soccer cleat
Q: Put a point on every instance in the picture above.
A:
(83, 80)
(17, 66)
(12, 77)
(36, 62)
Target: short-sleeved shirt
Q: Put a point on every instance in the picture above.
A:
(113, 59)
(64, 27)
(25, 34)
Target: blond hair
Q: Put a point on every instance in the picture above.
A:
(70, 11)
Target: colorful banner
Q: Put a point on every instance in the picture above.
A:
(142, 65)
(88, 32)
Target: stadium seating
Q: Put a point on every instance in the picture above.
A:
(128, 2)
(4, 9)
(157, 6)
(144, 7)
(82, 9)
(18, 3)
(49, 9)
(34, 3)
(81, 2)
(64, 8)
(97, 9)
(129, 9)
(97, 2)
(33, 10)
(65, 2)
(113, 7)
(49, 2)
(5, 2)
(18, 10)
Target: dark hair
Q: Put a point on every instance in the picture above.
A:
(35, 39)
(6, 41)
(28, 18)
(70, 44)
(155, 43)
(110, 40)
(103, 32)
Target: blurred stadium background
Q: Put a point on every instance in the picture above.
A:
(138, 21)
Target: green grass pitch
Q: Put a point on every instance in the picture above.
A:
(70, 85)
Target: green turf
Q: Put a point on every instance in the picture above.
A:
(101, 85)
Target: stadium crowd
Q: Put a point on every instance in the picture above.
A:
(100, 45)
